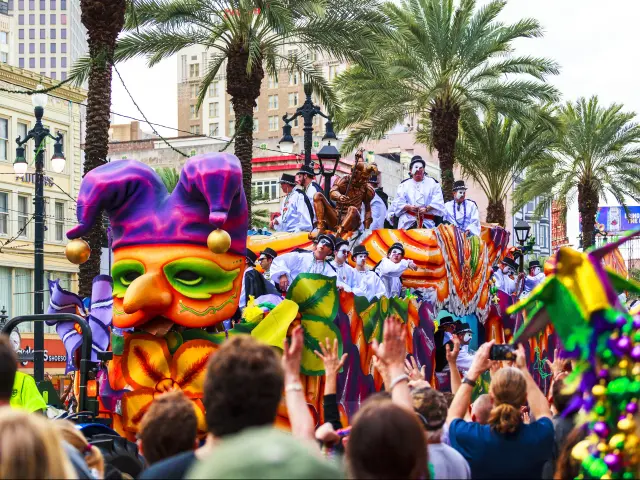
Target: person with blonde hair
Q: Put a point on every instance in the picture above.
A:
(505, 447)
(91, 454)
(31, 447)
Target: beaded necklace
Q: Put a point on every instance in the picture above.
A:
(464, 217)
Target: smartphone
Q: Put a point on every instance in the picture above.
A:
(503, 352)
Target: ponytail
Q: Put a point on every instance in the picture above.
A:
(505, 418)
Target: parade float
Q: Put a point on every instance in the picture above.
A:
(178, 266)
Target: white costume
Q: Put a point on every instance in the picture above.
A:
(531, 282)
(369, 284)
(243, 299)
(346, 276)
(378, 213)
(390, 274)
(504, 282)
(426, 193)
(294, 214)
(294, 263)
(310, 190)
(463, 215)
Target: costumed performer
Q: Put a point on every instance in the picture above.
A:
(253, 283)
(285, 268)
(306, 178)
(442, 337)
(265, 260)
(391, 268)
(378, 208)
(464, 360)
(536, 277)
(367, 282)
(296, 212)
(344, 271)
(418, 202)
(504, 276)
(462, 212)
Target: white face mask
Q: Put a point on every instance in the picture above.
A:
(360, 259)
(342, 254)
(415, 168)
(460, 194)
(507, 271)
(395, 251)
(466, 337)
(535, 271)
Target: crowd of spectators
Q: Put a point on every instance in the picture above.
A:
(409, 430)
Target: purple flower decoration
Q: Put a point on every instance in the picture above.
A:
(99, 316)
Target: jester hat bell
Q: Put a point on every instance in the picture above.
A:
(208, 197)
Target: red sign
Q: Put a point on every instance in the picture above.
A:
(55, 355)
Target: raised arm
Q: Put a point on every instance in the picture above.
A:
(452, 360)
(387, 267)
(537, 401)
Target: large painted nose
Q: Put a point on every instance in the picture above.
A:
(147, 292)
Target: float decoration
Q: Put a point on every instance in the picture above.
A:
(98, 316)
(581, 301)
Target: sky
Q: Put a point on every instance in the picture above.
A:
(594, 41)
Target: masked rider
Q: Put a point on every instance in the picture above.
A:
(367, 282)
(462, 212)
(391, 269)
(344, 271)
(535, 277)
(505, 276)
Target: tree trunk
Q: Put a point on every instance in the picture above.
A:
(244, 90)
(444, 129)
(103, 20)
(496, 213)
(588, 207)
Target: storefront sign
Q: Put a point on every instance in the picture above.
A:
(54, 352)
(31, 178)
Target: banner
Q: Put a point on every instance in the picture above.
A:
(615, 220)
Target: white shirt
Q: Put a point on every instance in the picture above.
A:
(369, 284)
(243, 299)
(390, 274)
(293, 264)
(346, 276)
(311, 190)
(378, 213)
(463, 215)
(464, 361)
(532, 282)
(504, 282)
(294, 214)
(426, 193)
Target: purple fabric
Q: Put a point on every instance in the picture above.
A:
(99, 317)
(209, 195)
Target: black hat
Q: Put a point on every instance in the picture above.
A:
(533, 263)
(341, 242)
(417, 159)
(359, 250)
(251, 257)
(444, 321)
(269, 252)
(459, 185)
(288, 179)
(373, 179)
(462, 328)
(397, 245)
(307, 170)
(329, 238)
(510, 262)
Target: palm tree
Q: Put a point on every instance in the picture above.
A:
(597, 153)
(496, 150)
(252, 38)
(103, 20)
(446, 61)
(169, 176)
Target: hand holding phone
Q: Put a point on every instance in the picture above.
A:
(503, 352)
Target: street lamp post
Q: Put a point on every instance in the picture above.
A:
(522, 229)
(39, 134)
(307, 111)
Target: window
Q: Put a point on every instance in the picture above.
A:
(293, 99)
(194, 70)
(43, 49)
(43, 4)
(32, 4)
(43, 19)
(32, 19)
(23, 128)
(63, 33)
(293, 78)
(53, 75)
(52, 34)
(53, 4)
(21, 33)
(53, 62)
(214, 110)
(43, 36)
(255, 125)
(63, 19)
(530, 207)
(4, 138)
(21, 48)
(52, 19)
(4, 213)
(273, 102)
(292, 53)
(230, 108)
(266, 189)
(213, 89)
(4, 57)
(543, 241)
(59, 214)
(295, 120)
(214, 129)
(43, 62)
(3, 38)
(23, 215)
(195, 129)
(194, 90)
(64, 76)
(63, 47)
(23, 296)
(32, 48)
(20, 19)
(32, 33)
(63, 4)
(21, 62)
(32, 63)
(63, 62)
(273, 123)
(232, 128)
(6, 294)
(53, 47)
(273, 82)
(193, 111)
(20, 4)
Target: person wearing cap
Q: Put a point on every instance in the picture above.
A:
(296, 212)
(253, 283)
(378, 208)
(265, 260)
(462, 212)
(367, 282)
(446, 329)
(391, 268)
(465, 358)
(418, 199)
(344, 271)
(306, 178)
(504, 276)
(536, 277)
(285, 268)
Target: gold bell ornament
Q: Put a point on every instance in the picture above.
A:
(219, 241)
(77, 251)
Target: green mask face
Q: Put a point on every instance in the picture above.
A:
(199, 278)
(124, 273)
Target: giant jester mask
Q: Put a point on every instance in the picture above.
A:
(163, 271)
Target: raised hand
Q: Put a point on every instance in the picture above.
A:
(292, 354)
(391, 351)
(413, 371)
(481, 362)
(329, 356)
(452, 354)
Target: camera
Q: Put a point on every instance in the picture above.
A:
(503, 352)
